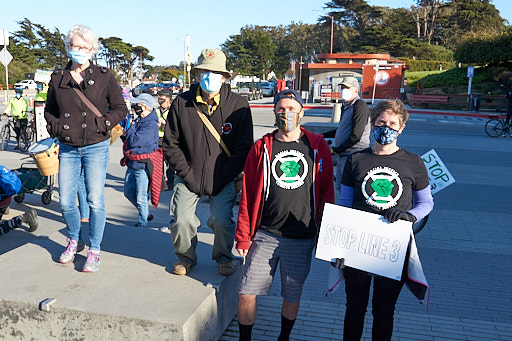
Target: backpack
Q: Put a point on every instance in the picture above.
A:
(10, 183)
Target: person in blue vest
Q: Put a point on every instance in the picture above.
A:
(10, 184)
(141, 139)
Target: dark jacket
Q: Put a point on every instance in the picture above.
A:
(142, 138)
(353, 132)
(70, 120)
(193, 152)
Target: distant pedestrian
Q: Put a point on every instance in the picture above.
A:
(508, 94)
(84, 104)
(142, 157)
(18, 108)
(353, 132)
(164, 101)
(391, 181)
(287, 180)
(207, 137)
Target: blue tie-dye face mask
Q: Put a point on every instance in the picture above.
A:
(384, 134)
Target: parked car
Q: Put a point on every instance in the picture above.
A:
(175, 88)
(268, 88)
(154, 88)
(29, 84)
(142, 88)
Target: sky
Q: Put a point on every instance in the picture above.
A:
(161, 26)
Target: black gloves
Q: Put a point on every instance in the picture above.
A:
(393, 214)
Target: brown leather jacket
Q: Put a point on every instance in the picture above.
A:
(70, 120)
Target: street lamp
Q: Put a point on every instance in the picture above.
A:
(332, 25)
(332, 28)
(188, 57)
(184, 59)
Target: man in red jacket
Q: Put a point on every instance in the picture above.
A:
(288, 177)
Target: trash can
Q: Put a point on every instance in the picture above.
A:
(474, 102)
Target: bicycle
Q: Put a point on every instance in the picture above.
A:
(7, 125)
(496, 127)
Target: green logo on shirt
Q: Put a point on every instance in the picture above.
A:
(383, 188)
(290, 169)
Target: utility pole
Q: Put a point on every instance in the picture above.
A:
(332, 28)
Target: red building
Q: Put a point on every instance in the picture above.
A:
(379, 75)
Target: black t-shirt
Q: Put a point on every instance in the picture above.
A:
(384, 181)
(288, 210)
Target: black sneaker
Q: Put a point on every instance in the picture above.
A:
(30, 217)
(150, 217)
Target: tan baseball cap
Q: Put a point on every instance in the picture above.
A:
(212, 60)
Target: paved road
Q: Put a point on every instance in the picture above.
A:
(465, 248)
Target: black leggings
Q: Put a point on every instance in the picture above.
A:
(385, 295)
(20, 127)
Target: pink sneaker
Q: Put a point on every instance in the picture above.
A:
(69, 254)
(92, 264)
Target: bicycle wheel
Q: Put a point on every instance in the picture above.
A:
(5, 136)
(494, 127)
(24, 141)
(419, 225)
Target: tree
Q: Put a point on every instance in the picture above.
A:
(122, 57)
(489, 49)
(52, 51)
(465, 18)
(356, 15)
(425, 17)
(251, 52)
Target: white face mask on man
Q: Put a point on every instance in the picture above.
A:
(346, 94)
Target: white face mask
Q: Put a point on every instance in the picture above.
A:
(346, 95)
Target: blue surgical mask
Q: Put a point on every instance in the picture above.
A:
(211, 82)
(79, 57)
(385, 135)
(18, 95)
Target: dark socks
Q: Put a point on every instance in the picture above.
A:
(286, 328)
(245, 331)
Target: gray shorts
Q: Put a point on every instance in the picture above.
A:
(266, 251)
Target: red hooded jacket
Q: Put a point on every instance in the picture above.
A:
(256, 183)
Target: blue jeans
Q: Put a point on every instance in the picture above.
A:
(184, 228)
(82, 198)
(136, 184)
(93, 159)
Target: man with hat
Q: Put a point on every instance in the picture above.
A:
(164, 100)
(288, 177)
(207, 137)
(353, 132)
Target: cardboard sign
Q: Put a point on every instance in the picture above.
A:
(439, 176)
(365, 240)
